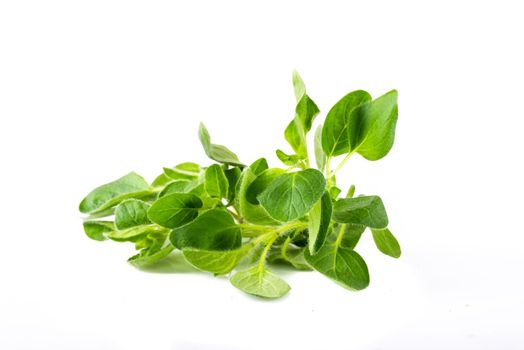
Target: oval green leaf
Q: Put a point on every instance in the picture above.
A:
(130, 213)
(386, 242)
(216, 183)
(366, 210)
(260, 282)
(175, 209)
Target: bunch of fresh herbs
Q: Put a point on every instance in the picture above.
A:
(229, 217)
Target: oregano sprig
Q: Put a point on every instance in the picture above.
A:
(231, 218)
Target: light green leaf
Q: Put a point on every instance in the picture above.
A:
(106, 196)
(146, 260)
(320, 156)
(292, 195)
(288, 159)
(366, 210)
(98, 230)
(161, 181)
(135, 233)
(340, 264)
(334, 192)
(318, 224)
(216, 183)
(305, 112)
(217, 262)
(213, 230)
(335, 139)
(259, 166)
(372, 125)
(175, 209)
(178, 186)
(260, 282)
(218, 153)
(386, 242)
(185, 171)
(130, 213)
(252, 213)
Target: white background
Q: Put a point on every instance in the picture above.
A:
(92, 90)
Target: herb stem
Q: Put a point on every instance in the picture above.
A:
(341, 164)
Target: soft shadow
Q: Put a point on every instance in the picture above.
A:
(174, 263)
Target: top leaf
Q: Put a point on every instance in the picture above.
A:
(335, 134)
(291, 196)
(372, 125)
(366, 210)
(106, 196)
(218, 153)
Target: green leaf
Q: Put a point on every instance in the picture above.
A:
(340, 264)
(351, 235)
(218, 153)
(259, 166)
(386, 242)
(178, 186)
(184, 171)
(334, 192)
(217, 262)
(318, 224)
(366, 210)
(175, 209)
(260, 282)
(135, 233)
(372, 127)
(161, 181)
(213, 230)
(130, 213)
(106, 196)
(97, 230)
(233, 177)
(320, 156)
(252, 213)
(146, 260)
(288, 159)
(335, 132)
(305, 112)
(292, 195)
(261, 183)
(216, 183)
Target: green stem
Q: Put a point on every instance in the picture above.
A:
(341, 164)
(262, 260)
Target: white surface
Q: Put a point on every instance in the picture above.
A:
(92, 90)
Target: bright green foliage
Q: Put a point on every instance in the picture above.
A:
(231, 219)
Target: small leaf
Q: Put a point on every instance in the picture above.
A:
(218, 153)
(106, 196)
(292, 195)
(340, 264)
(288, 159)
(319, 220)
(135, 233)
(233, 177)
(161, 181)
(335, 139)
(213, 230)
(366, 210)
(217, 262)
(372, 125)
(146, 260)
(184, 171)
(320, 156)
(252, 213)
(386, 242)
(216, 184)
(175, 209)
(178, 186)
(131, 212)
(98, 230)
(260, 282)
(259, 166)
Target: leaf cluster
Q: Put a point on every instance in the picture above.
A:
(229, 216)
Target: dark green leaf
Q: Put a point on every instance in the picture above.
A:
(340, 264)
(351, 235)
(366, 210)
(175, 209)
(335, 130)
(106, 196)
(233, 177)
(319, 220)
(292, 195)
(261, 183)
(213, 230)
